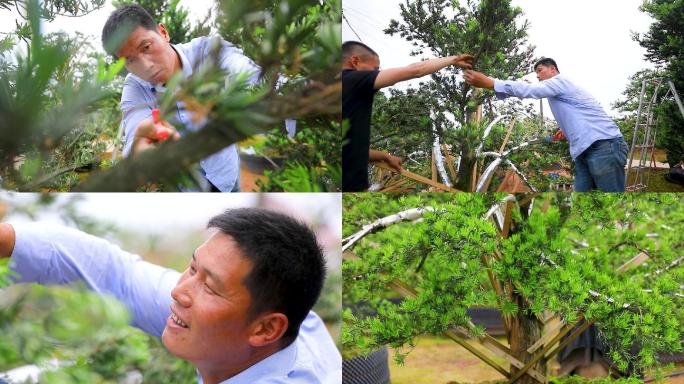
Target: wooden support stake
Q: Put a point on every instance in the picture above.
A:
(349, 255)
(539, 355)
(498, 289)
(417, 177)
(473, 178)
(434, 168)
(513, 361)
(478, 353)
(546, 337)
(634, 262)
(570, 338)
(450, 163)
(508, 218)
(495, 347)
(508, 136)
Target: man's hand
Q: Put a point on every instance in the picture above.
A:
(393, 161)
(558, 136)
(7, 239)
(464, 61)
(478, 79)
(148, 134)
(391, 76)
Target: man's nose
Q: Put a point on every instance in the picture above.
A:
(180, 293)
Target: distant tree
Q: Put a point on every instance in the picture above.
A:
(664, 43)
(48, 10)
(167, 12)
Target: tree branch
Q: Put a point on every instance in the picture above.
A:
(411, 214)
(173, 157)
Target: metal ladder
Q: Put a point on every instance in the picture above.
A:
(647, 139)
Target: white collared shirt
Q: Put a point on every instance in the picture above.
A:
(139, 97)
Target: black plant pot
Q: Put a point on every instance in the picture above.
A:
(371, 369)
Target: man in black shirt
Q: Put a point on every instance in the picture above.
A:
(361, 78)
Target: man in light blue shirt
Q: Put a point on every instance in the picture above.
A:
(596, 144)
(241, 312)
(151, 61)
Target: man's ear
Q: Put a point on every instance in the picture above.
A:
(163, 32)
(354, 61)
(268, 329)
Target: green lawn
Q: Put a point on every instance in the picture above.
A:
(437, 360)
(655, 181)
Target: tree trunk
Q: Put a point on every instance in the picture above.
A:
(466, 176)
(526, 329)
(465, 172)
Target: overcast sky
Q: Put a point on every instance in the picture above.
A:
(92, 23)
(157, 212)
(589, 39)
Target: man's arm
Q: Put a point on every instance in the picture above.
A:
(478, 80)
(392, 76)
(505, 88)
(53, 255)
(392, 161)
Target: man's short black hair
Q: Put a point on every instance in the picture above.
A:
(288, 268)
(547, 61)
(350, 48)
(123, 21)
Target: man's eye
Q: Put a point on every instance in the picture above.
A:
(192, 270)
(211, 291)
(145, 48)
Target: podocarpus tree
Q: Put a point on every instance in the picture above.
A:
(491, 30)
(401, 127)
(554, 254)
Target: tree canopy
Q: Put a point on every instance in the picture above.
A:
(561, 254)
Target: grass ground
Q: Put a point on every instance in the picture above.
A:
(660, 155)
(655, 181)
(437, 360)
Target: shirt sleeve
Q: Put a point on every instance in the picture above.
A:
(234, 62)
(362, 82)
(547, 88)
(135, 108)
(53, 255)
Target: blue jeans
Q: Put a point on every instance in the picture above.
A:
(602, 166)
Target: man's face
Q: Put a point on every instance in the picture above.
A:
(149, 56)
(212, 303)
(545, 72)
